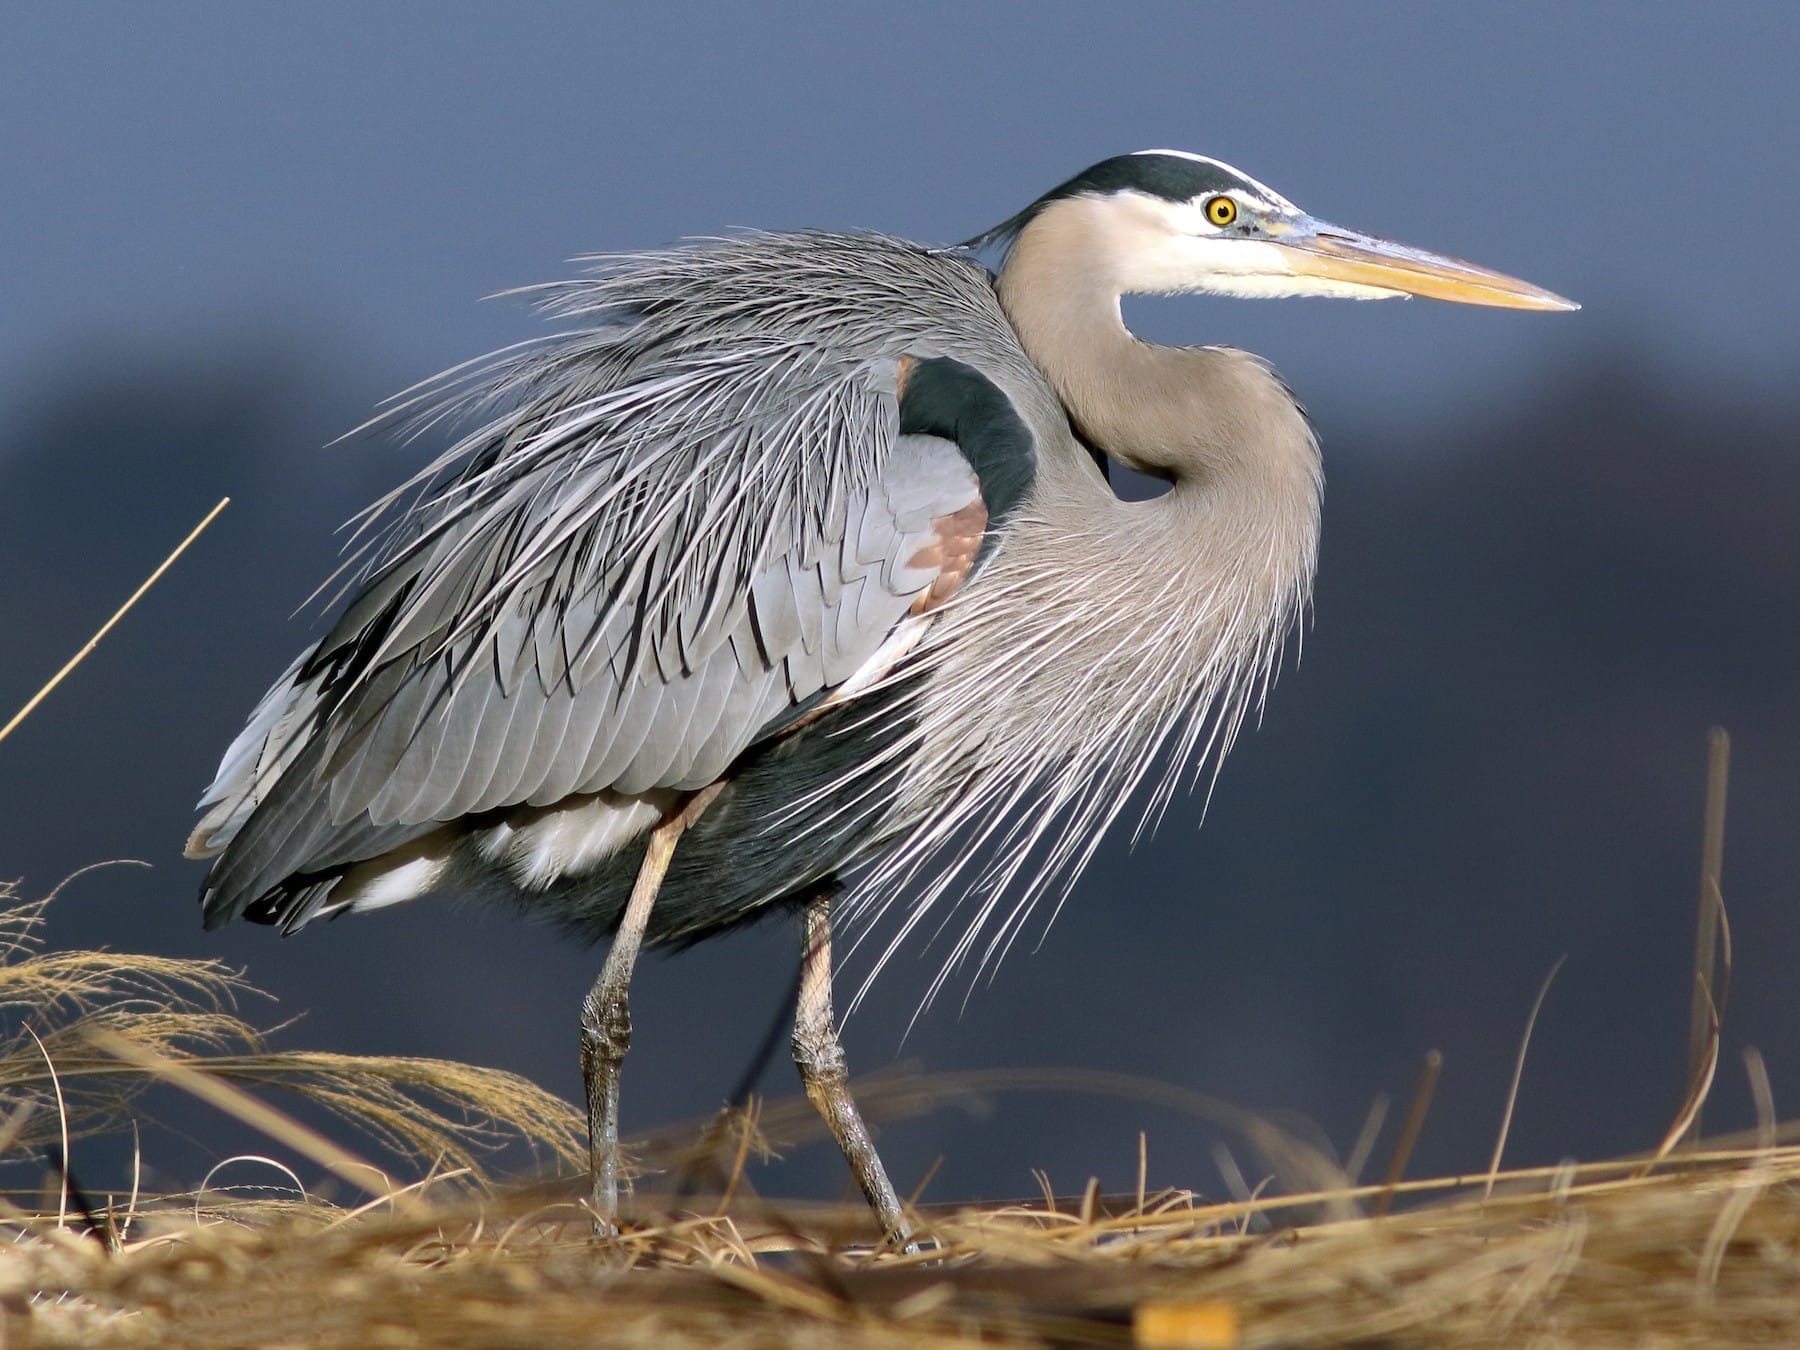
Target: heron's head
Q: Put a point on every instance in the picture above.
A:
(1165, 221)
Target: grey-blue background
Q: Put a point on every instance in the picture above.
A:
(1556, 547)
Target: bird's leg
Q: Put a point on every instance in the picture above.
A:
(820, 1058)
(606, 1013)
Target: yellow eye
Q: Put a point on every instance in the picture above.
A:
(1221, 211)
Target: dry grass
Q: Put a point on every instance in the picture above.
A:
(1699, 1248)
(83, 1033)
(1704, 1254)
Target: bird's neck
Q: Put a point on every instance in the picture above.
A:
(1214, 421)
(1237, 533)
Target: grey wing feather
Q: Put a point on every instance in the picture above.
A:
(493, 766)
(571, 610)
(558, 703)
(774, 614)
(255, 759)
(471, 727)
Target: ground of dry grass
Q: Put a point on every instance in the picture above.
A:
(1704, 1253)
(1698, 1246)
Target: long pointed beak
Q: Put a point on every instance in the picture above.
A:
(1314, 248)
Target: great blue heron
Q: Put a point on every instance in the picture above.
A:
(791, 580)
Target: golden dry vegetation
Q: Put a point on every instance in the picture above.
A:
(1701, 1247)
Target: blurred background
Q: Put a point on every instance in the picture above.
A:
(1556, 549)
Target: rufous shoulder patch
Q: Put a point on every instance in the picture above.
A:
(955, 540)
